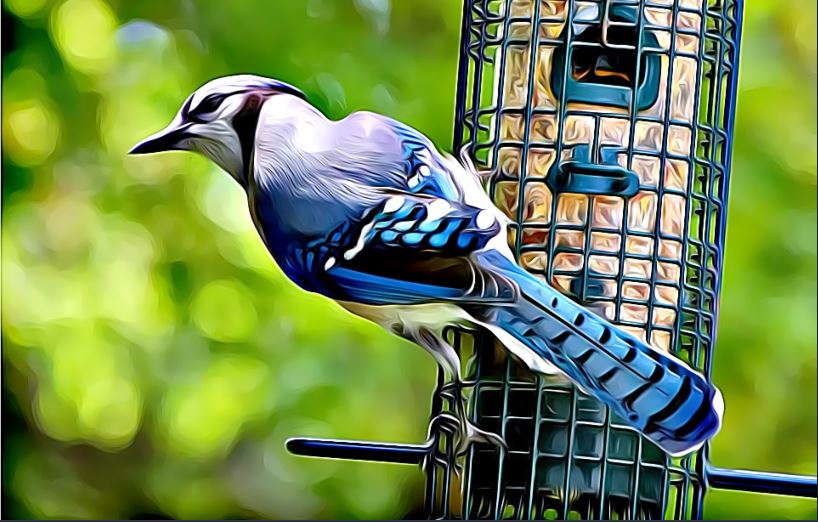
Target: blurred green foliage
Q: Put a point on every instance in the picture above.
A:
(155, 359)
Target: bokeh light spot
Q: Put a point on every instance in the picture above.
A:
(25, 8)
(224, 202)
(200, 499)
(205, 419)
(84, 32)
(111, 409)
(30, 132)
(224, 311)
(54, 415)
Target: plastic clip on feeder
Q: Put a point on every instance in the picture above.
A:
(608, 127)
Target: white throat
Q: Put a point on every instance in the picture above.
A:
(219, 142)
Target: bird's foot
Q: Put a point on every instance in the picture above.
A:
(463, 434)
(473, 435)
(441, 424)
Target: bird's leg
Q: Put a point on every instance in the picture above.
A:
(464, 432)
(470, 433)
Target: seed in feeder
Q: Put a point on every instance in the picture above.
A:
(508, 160)
(642, 212)
(613, 131)
(639, 245)
(568, 262)
(607, 212)
(520, 31)
(669, 249)
(663, 316)
(638, 268)
(693, 4)
(539, 162)
(544, 129)
(673, 213)
(648, 136)
(660, 340)
(634, 313)
(676, 172)
(605, 242)
(537, 203)
(657, 16)
(668, 272)
(520, 8)
(683, 89)
(661, 48)
(535, 236)
(572, 209)
(687, 43)
(605, 265)
(516, 79)
(578, 130)
(512, 127)
(636, 291)
(678, 140)
(666, 295)
(552, 8)
(511, 236)
(562, 283)
(637, 332)
(688, 21)
(506, 197)
(647, 169)
(543, 97)
(534, 261)
(569, 238)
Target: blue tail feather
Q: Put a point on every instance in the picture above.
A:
(672, 404)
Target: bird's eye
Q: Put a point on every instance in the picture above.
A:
(208, 104)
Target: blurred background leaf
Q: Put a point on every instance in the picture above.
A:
(155, 359)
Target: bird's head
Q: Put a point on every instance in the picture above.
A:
(219, 120)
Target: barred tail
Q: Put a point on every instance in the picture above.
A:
(672, 404)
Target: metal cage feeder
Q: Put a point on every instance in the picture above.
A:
(607, 127)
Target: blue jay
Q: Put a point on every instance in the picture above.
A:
(366, 211)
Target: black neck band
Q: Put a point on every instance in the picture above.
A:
(245, 123)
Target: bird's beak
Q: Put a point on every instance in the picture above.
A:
(169, 138)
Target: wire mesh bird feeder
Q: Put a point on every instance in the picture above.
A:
(606, 126)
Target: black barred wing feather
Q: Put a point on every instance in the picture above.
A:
(410, 249)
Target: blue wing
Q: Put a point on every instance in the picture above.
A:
(426, 174)
(411, 249)
(414, 246)
(412, 239)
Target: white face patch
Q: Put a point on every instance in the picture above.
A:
(219, 142)
(230, 106)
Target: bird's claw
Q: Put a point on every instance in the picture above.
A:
(444, 423)
(464, 433)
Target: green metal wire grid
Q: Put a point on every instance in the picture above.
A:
(609, 63)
